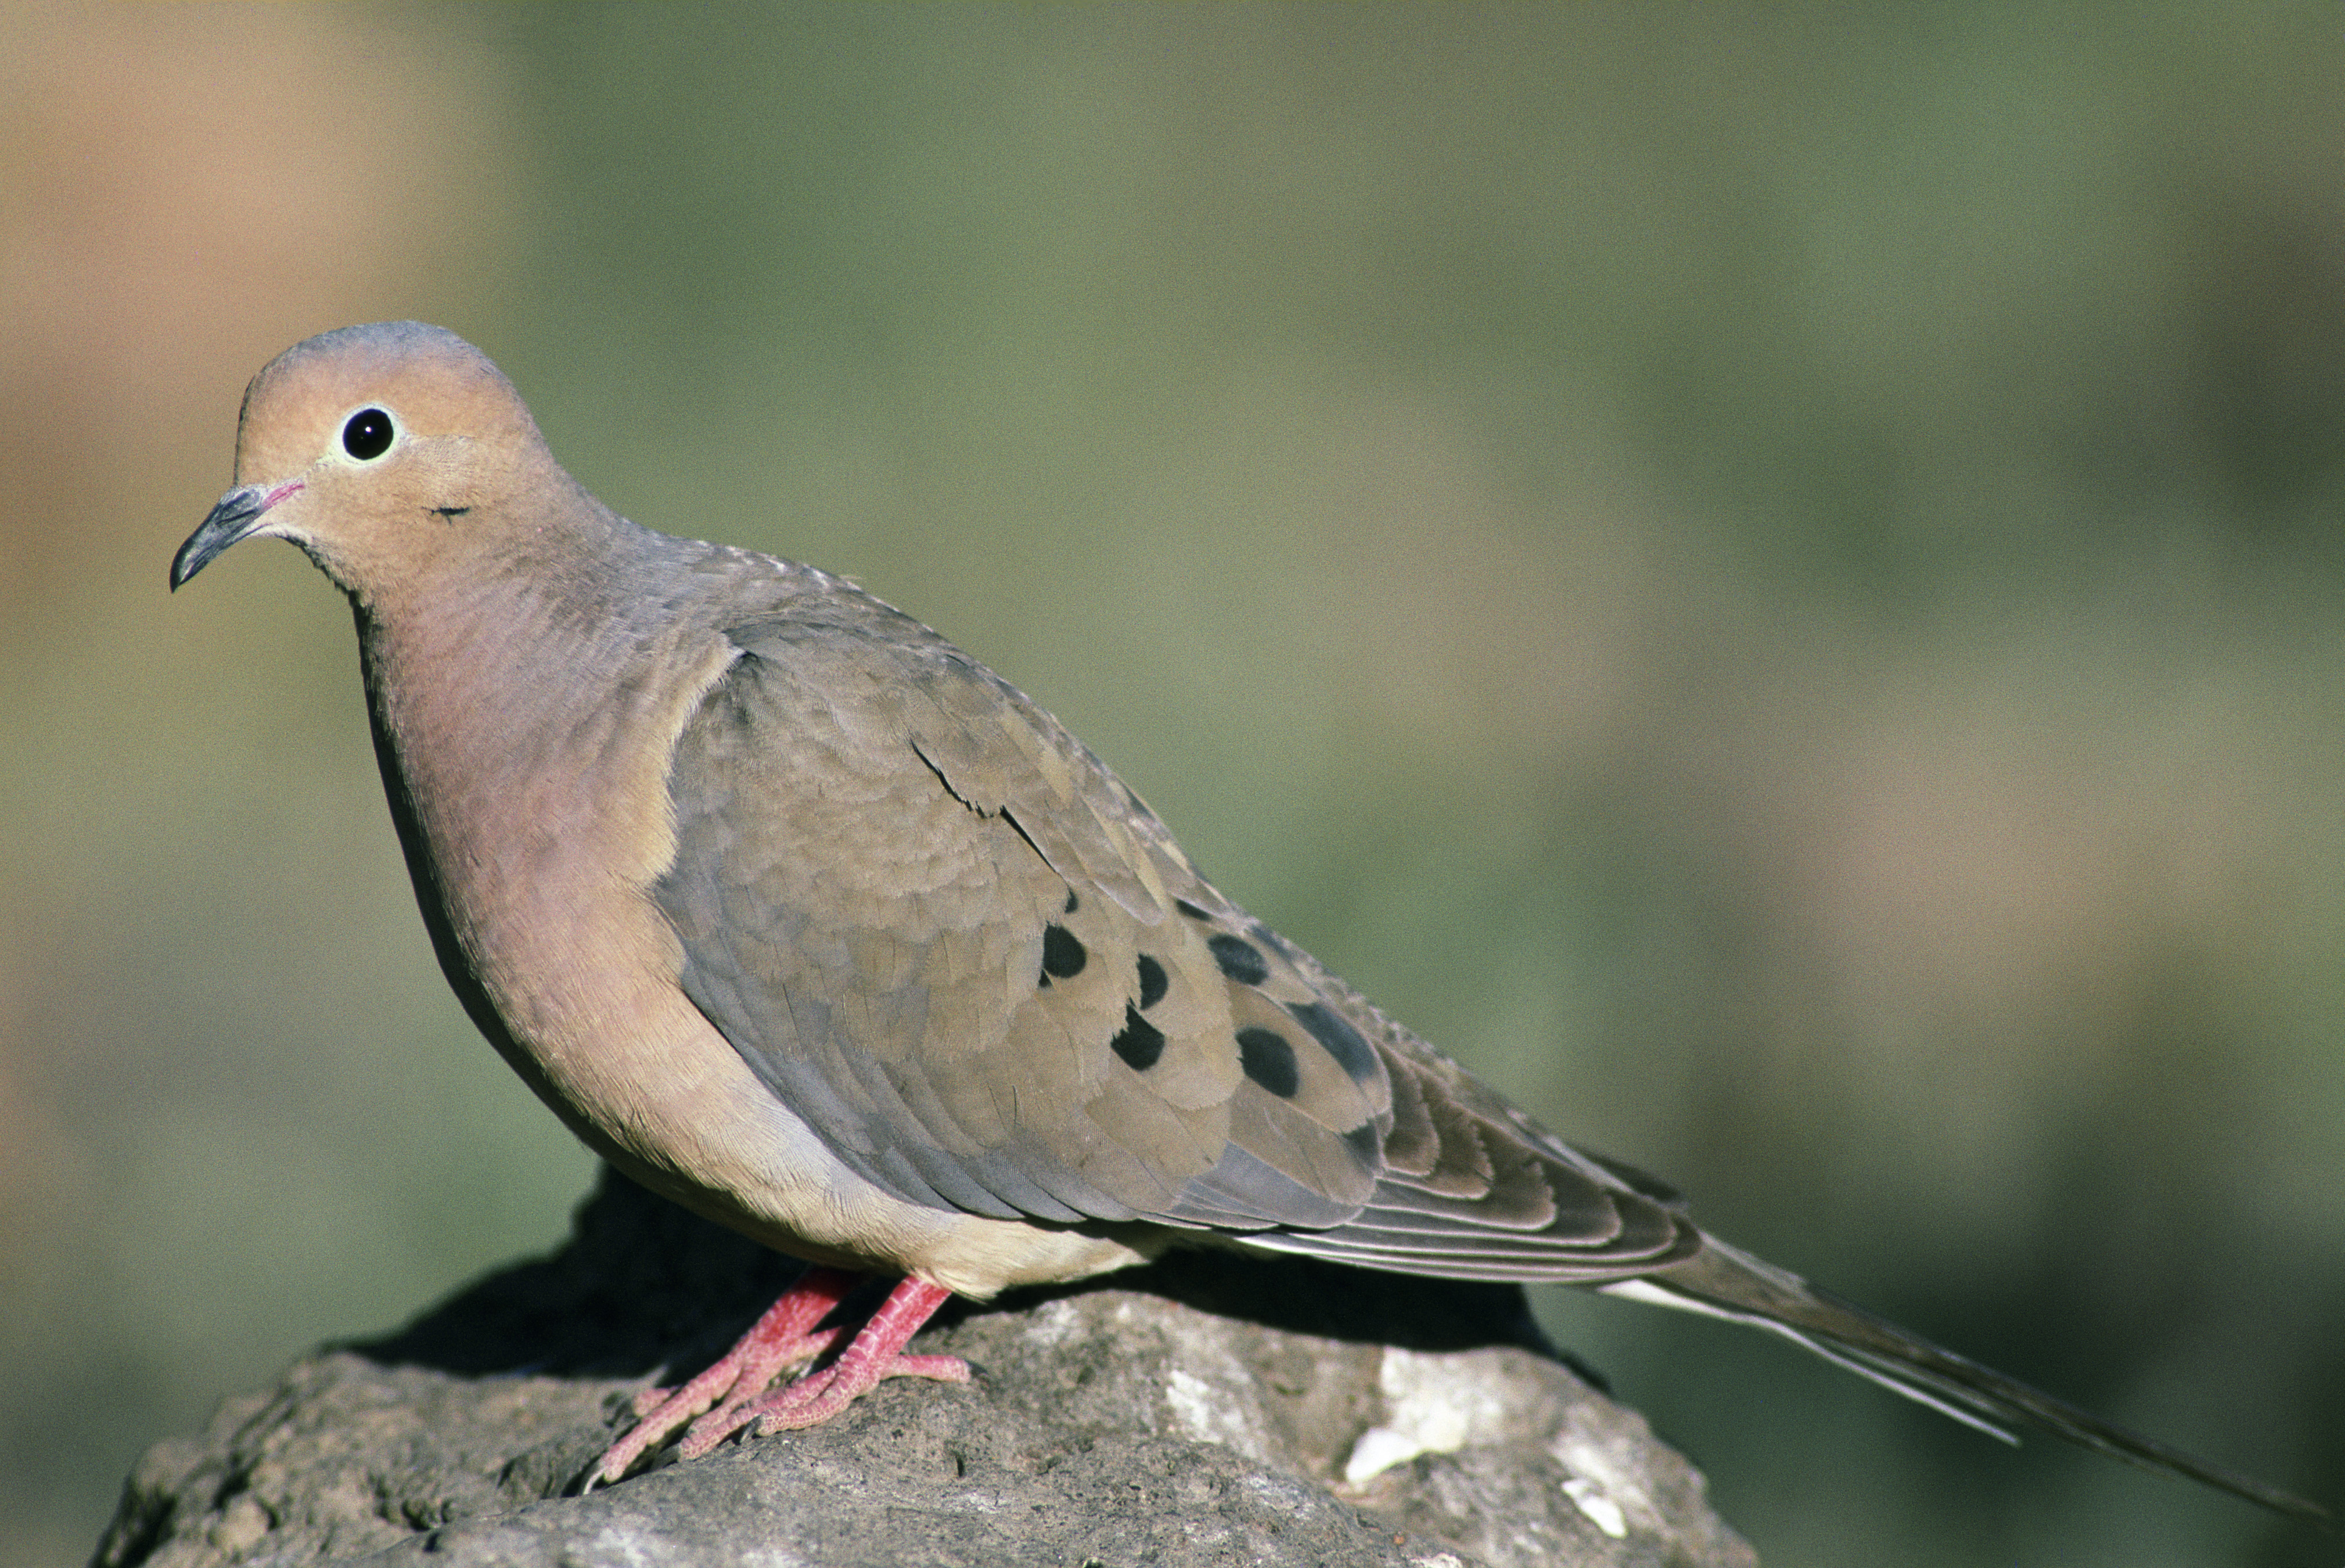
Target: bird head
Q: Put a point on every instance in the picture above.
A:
(388, 453)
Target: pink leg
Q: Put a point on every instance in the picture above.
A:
(777, 1342)
(875, 1355)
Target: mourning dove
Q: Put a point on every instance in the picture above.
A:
(800, 916)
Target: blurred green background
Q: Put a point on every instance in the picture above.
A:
(1770, 580)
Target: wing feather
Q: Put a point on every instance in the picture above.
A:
(981, 969)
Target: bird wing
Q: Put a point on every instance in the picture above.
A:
(981, 969)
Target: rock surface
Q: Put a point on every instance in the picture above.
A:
(1211, 1409)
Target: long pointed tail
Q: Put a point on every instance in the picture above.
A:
(1722, 1282)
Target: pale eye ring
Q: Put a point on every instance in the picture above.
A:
(368, 433)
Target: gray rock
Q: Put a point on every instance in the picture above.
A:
(1211, 1409)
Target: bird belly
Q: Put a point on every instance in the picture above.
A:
(679, 1112)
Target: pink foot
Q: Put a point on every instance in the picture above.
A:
(875, 1355)
(779, 1341)
(776, 1342)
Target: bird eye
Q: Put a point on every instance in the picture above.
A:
(368, 434)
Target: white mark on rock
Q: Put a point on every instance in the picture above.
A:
(1051, 1324)
(1438, 1404)
(1605, 1480)
(1211, 1396)
(1205, 1413)
(1590, 1499)
(1378, 1450)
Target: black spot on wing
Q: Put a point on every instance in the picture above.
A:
(1344, 1042)
(1269, 1060)
(1073, 901)
(1367, 1141)
(1152, 983)
(1062, 953)
(1140, 1042)
(1238, 958)
(1190, 910)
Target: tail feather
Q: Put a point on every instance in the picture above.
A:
(1722, 1282)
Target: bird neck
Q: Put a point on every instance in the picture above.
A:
(526, 713)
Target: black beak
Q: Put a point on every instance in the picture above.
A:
(238, 515)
